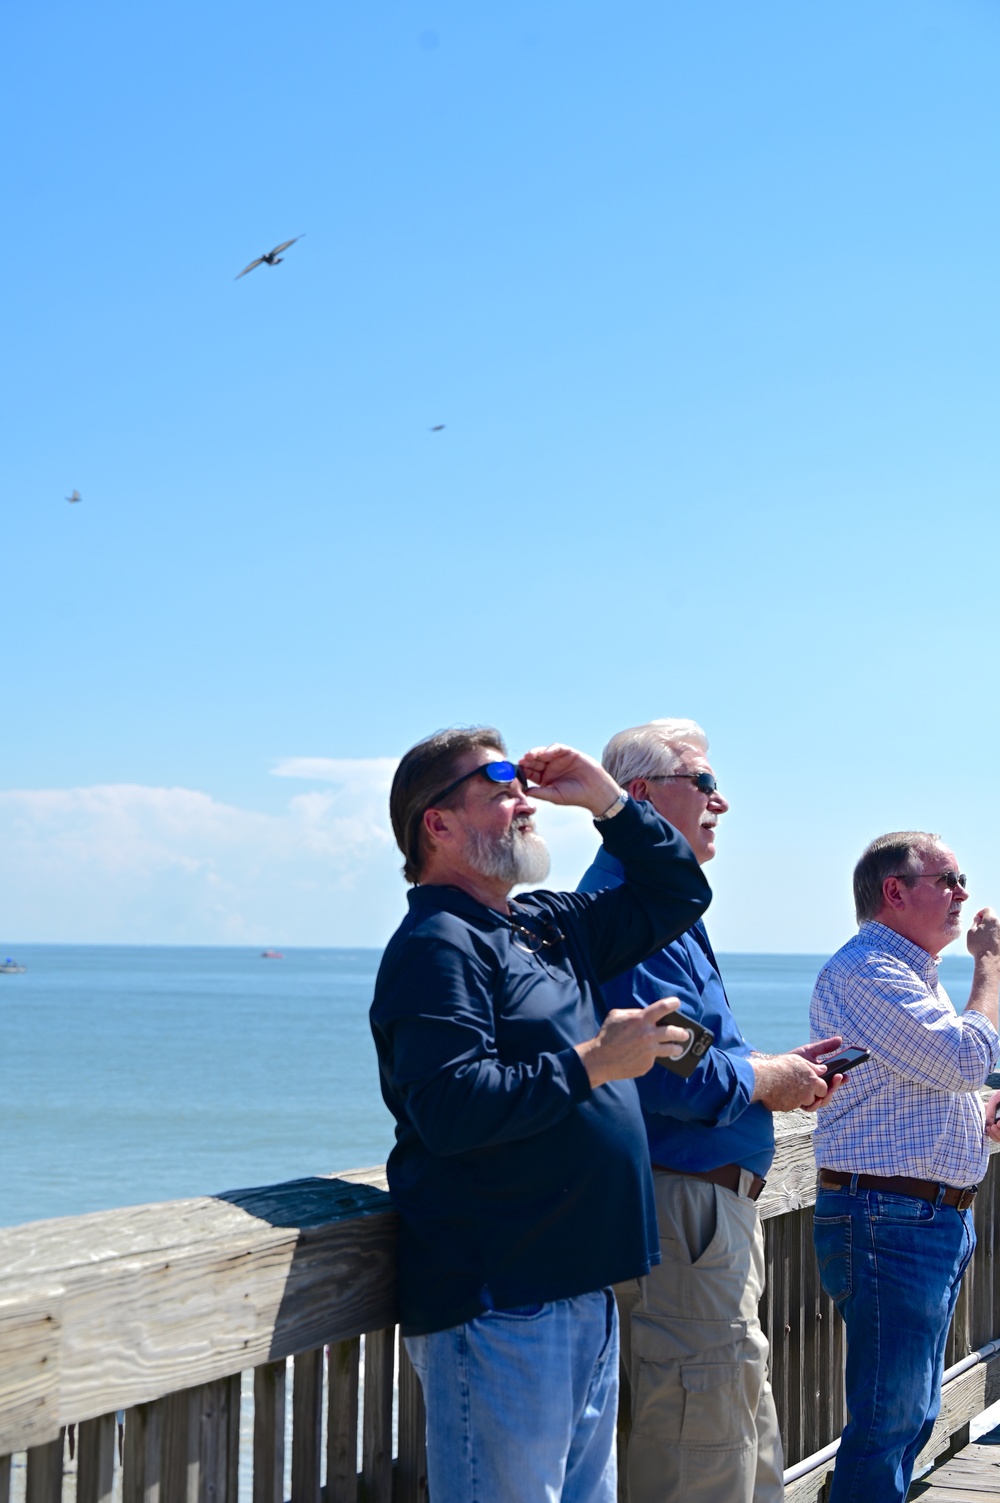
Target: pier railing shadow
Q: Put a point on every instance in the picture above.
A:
(159, 1312)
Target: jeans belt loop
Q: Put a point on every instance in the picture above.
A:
(942, 1192)
(854, 1184)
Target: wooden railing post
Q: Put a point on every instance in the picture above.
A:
(376, 1465)
(307, 1420)
(96, 1460)
(45, 1472)
(342, 1421)
(142, 1465)
(269, 1433)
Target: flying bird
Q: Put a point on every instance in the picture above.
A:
(75, 497)
(271, 258)
(437, 428)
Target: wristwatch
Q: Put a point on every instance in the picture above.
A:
(616, 808)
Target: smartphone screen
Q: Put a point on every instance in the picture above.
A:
(844, 1061)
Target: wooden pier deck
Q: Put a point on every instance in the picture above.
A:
(970, 1476)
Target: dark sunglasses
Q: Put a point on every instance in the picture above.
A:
(703, 781)
(524, 938)
(951, 880)
(494, 772)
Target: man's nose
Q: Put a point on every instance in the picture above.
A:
(717, 803)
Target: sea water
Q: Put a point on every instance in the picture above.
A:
(136, 1074)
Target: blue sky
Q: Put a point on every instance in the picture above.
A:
(707, 299)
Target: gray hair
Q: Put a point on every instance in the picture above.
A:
(893, 855)
(652, 750)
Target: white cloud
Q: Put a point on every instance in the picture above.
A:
(126, 863)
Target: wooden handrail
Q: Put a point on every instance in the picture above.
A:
(158, 1309)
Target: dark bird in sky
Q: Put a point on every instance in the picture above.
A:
(437, 427)
(75, 497)
(271, 258)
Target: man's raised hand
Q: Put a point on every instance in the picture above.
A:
(560, 775)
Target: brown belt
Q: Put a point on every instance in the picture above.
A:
(727, 1175)
(900, 1184)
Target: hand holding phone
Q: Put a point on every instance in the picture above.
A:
(843, 1062)
(700, 1038)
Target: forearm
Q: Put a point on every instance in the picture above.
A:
(983, 997)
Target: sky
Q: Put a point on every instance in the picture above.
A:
(706, 298)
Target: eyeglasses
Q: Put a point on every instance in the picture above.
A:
(494, 772)
(951, 880)
(526, 939)
(704, 781)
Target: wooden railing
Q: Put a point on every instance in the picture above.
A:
(162, 1312)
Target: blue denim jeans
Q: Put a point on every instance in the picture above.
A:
(893, 1265)
(522, 1404)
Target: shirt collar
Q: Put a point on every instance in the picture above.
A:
(438, 897)
(878, 936)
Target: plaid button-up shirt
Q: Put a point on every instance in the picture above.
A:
(912, 1108)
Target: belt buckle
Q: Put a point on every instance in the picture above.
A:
(967, 1198)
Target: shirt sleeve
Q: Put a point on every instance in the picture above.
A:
(888, 1009)
(436, 1022)
(663, 893)
(721, 1086)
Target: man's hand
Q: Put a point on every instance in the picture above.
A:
(560, 775)
(794, 1081)
(630, 1041)
(992, 1125)
(983, 938)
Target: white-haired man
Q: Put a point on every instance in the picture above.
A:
(703, 1422)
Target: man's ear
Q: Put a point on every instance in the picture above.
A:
(892, 893)
(638, 789)
(437, 826)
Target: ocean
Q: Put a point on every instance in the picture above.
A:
(136, 1074)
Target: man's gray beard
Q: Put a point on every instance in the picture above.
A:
(518, 856)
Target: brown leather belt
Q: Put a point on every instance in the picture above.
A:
(727, 1175)
(900, 1184)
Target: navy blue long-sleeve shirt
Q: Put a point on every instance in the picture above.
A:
(708, 1118)
(515, 1182)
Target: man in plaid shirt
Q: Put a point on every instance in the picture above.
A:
(901, 1148)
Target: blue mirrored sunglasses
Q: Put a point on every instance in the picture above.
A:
(494, 772)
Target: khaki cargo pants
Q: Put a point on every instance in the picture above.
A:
(694, 1358)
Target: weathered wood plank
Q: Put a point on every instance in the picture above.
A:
(45, 1472)
(376, 1442)
(410, 1482)
(269, 1433)
(29, 1367)
(307, 1426)
(178, 1456)
(141, 1468)
(342, 1421)
(211, 1445)
(203, 1289)
(96, 1460)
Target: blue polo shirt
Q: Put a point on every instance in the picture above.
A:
(709, 1118)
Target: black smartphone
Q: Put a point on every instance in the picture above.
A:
(841, 1063)
(700, 1038)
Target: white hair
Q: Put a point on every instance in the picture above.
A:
(652, 750)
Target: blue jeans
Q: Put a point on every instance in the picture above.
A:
(893, 1265)
(522, 1404)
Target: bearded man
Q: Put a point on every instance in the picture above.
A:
(519, 1171)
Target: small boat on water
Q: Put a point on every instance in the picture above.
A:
(271, 955)
(10, 967)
